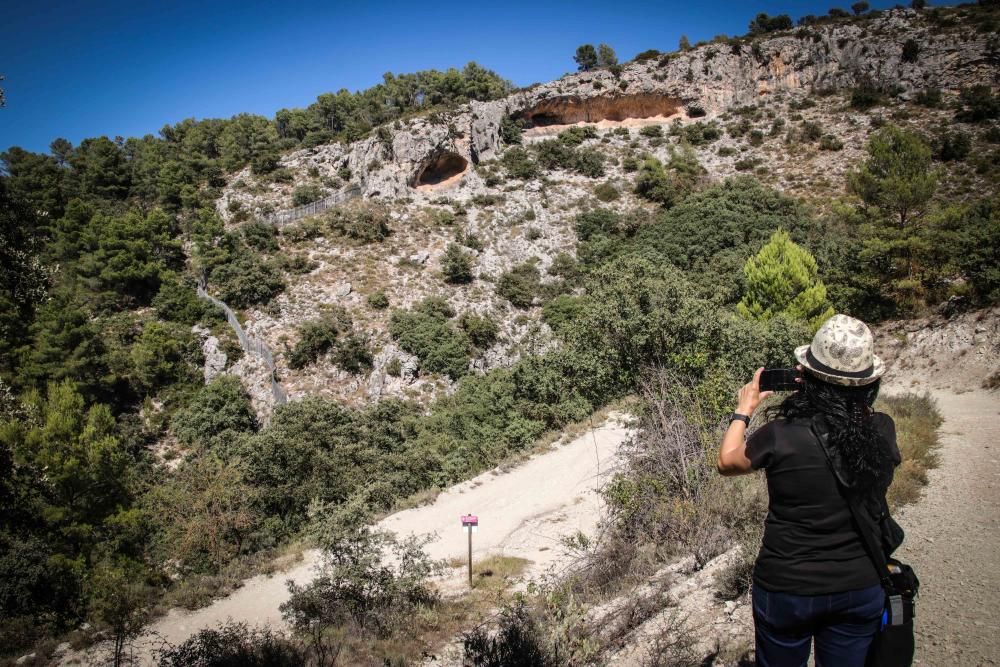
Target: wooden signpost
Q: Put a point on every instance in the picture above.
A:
(470, 524)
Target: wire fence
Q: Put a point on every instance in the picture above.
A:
(252, 346)
(291, 215)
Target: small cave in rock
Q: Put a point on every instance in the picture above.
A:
(440, 169)
(570, 109)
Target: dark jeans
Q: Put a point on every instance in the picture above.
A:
(842, 623)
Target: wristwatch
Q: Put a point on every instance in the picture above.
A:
(743, 418)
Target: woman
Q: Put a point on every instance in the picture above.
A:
(813, 577)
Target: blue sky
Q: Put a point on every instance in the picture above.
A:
(84, 69)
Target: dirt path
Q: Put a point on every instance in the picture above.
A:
(953, 536)
(524, 512)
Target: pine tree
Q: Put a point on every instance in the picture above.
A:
(782, 279)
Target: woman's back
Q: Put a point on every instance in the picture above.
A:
(810, 545)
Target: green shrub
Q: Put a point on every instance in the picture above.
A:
(521, 284)
(606, 192)
(510, 130)
(378, 300)
(353, 355)
(828, 142)
(866, 95)
(235, 644)
(260, 236)
(575, 136)
(177, 301)
(481, 330)
(219, 409)
(519, 164)
(810, 131)
(746, 164)
(247, 281)
(651, 131)
(316, 338)
(456, 266)
(952, 146)
(363, 221)
(929, 97)
(589, 162)
(307, 194)
(395, 367)
(978, 104)
(911, 50)
(427, 333)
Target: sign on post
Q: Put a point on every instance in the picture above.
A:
(470, 524)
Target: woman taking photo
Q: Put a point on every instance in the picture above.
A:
(813, 578)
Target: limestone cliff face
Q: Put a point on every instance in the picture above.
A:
(714, 77)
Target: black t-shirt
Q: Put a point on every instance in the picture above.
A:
(810, 545)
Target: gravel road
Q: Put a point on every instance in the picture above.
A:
(524, 512)
(953, 537)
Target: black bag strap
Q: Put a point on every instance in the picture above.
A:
(870, 541)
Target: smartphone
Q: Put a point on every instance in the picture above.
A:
(779, 379)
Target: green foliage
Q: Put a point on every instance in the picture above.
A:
(307, 194)
(510, 130)
(667, 185)
(234, 644)
(177, 301)
(606, 192)
(911, 51)
(521, 284)
(979, 104)
(519, 164)
(952, 146)
(606, 56)
(782, 280)
(352, 354)
(651, 131)
(586, 57)
(246, 281)
(362, 221)
(165, 354)
(260, 236)
(219, 411)
(427, 332)
(763, 24)
(378, 300)
(357, 587)
(482, 330)
(456, 265)
(316, 338)
(896, 177)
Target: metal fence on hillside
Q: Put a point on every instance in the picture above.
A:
(291, 215)
(252, 346)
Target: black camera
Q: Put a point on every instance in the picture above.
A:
(780, 379)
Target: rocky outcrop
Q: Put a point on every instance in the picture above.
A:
(715, 77)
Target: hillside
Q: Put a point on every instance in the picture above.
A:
(248, 337)
(778, 108)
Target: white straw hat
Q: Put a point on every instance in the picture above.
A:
(842, 352)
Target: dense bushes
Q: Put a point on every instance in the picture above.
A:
(362, 221)
(521, 284)
(427, 332)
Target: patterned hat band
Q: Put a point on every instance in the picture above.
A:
(820, 366)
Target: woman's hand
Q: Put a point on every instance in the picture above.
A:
(750, 395)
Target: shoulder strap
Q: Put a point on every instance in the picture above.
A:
(871, 542)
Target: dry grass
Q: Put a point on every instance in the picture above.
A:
(917, 422)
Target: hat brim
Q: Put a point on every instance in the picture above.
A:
(878, 369)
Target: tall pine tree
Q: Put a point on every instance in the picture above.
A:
(782, 279)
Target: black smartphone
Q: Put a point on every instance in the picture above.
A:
(779, 379)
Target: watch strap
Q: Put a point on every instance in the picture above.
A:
(737, 416)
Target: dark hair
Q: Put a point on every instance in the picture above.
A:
(848, 412)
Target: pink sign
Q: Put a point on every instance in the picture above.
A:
(470, 520)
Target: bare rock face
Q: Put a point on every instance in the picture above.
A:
(215, 358)
(438, 149)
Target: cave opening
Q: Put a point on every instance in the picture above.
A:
(571, 109)
(444, 168)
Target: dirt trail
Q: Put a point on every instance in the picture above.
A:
(524, 512)
(953, 536)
